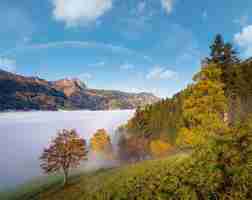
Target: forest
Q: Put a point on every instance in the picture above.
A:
(210, 120)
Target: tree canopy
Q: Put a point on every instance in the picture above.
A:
(101, 143)
(65, 152)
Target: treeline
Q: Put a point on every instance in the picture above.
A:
(152, 132)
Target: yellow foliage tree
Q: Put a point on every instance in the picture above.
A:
(101, 143)
(204, 108)
(159, 148)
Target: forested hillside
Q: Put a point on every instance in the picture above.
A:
(222, 70)
(212, 119)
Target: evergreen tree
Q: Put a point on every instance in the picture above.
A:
(217, 48)
(224, 56)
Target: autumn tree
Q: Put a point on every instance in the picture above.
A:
(204, 108)
(65, 152)
(136, 148)
(101, 143)
(159, 148)
(138, 125)
(221, 152)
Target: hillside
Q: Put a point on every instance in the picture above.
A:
(144, 180)
(212, 117)
(31, 93)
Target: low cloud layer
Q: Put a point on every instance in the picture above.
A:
(127, 67)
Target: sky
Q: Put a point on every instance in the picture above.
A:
(130, 45)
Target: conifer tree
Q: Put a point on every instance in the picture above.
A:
(225, 57)
(217, 48)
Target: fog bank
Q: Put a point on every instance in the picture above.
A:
(25, 134)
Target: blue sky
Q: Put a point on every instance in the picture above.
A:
(130, 45)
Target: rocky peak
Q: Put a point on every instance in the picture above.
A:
(79, 83)
(69, 86)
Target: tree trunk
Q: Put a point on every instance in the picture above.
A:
(65, 177)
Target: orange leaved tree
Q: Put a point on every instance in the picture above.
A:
(65, 152)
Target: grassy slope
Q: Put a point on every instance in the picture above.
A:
(145, 180)
(31, 189)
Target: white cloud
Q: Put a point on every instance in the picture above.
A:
(79, 12)
(127, 67)
(98, 64)
(205, 14)
(26, 39)
(167, 5)
(85, 76)
(244, 39)
(141, 7)
(8, 64)
(155, 91)
(159, 73)
(242, 21)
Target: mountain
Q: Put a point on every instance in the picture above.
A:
(32, 93)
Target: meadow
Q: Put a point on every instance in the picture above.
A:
(143, 180)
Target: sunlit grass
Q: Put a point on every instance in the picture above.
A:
(119, 182)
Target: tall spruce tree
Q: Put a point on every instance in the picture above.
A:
(225, 56)
(217, 49)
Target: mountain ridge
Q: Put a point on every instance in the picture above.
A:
(18, 92)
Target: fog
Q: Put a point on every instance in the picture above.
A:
(25, 134)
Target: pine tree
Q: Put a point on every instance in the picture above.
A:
(225, 57)
(217, 48)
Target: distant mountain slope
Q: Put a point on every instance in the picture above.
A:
(31, 93)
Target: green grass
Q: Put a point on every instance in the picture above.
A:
(144, 180)
(31, 189)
